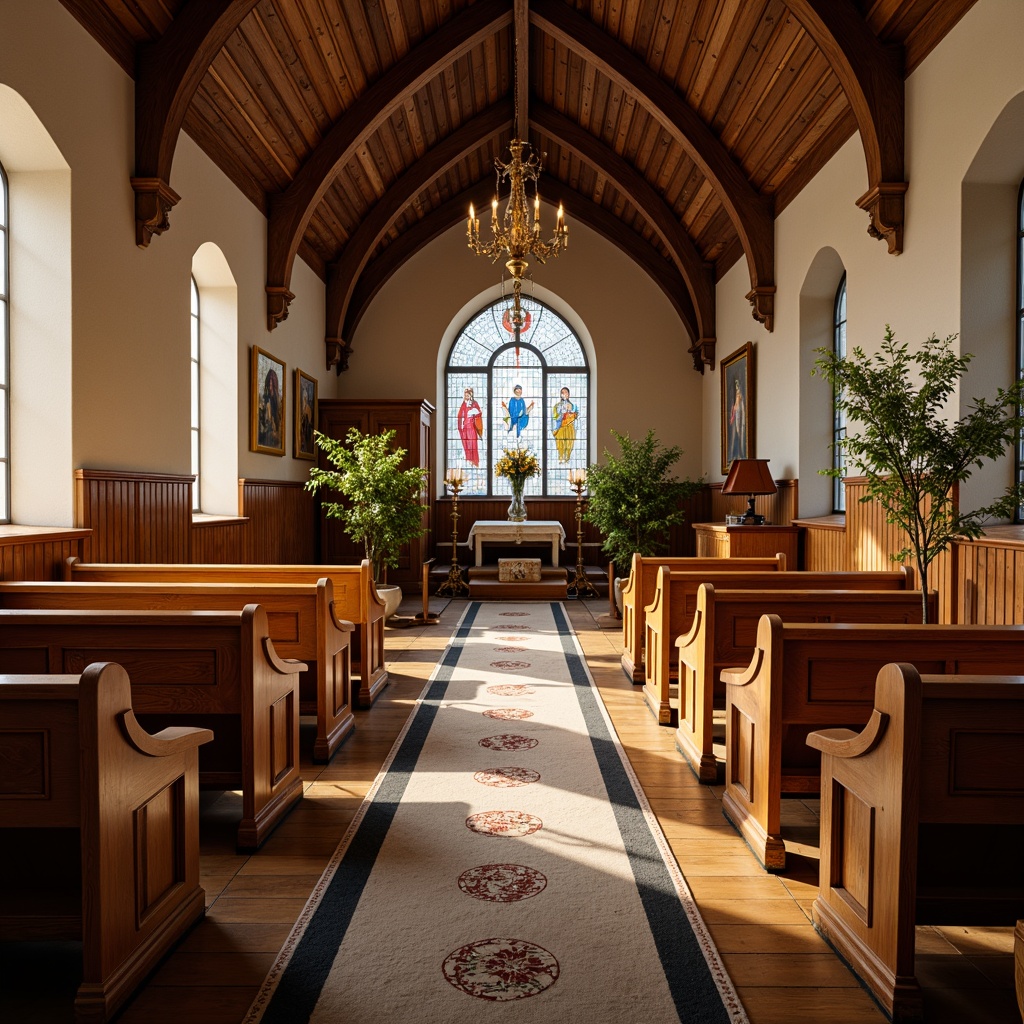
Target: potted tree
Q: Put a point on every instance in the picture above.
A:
(382, 507)
(913, 457)
(634, 500)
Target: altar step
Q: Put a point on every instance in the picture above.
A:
(484, 585)
(597, 575)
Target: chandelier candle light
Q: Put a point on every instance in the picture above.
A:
(455, 585)
(515, 237)
(580, 585)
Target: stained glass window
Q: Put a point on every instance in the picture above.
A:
(505, 389)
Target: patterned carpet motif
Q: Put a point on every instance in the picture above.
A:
(494, 870)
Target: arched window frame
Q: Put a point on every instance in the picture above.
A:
(195, 433)
(5, 345)
(838, 415)
(1019, 361)
(552, 481)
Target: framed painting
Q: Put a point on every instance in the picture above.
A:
(738, 406)
(267, 403)
(305, 415)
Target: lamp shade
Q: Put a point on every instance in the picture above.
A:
(749, 476)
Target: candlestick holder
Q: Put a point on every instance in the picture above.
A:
(580, 586)
(455, 585)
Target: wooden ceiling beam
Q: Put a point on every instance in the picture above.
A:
(377, 273)
(751, 213)
(697, 274)
(290, 210)
(167, 75)
(343, 273)
(871, 75)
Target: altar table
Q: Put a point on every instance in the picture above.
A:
(502, 531)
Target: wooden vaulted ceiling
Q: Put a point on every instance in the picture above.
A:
(678, 129)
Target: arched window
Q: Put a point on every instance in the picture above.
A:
(506, 389)
(838, 416)
(195, 418)
(1019, 454)
(5, 357)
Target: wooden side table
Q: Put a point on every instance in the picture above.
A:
(719, 540)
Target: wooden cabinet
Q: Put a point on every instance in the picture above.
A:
(718, 540)
(412, 422)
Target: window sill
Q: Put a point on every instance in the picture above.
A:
(200, 519)
(12, 533)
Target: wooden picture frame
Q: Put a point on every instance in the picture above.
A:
(306, 388)
(267, 403)
(738, 406)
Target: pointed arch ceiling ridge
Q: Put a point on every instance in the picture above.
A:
(751, 213)
(290, 211)
(379, 270)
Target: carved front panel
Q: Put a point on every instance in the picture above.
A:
(341, 682)
(159, 829)
(851, 871)
(24, 764)
(284, 628)
(282, 749)
(740, 754)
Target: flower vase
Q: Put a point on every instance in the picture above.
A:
(517, 510)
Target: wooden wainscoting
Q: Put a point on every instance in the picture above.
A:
(824, 543)
(147, 517)
(280, 516)
(990, 574)
(871, 540)
(134, 517)
(38, 552)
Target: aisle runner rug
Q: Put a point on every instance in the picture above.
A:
(505, 865)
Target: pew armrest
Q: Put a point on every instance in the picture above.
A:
(846, 743)
(169, 741)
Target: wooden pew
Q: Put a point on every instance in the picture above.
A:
(638, 593)
(99, 828)
(722, 635)
(670, 613)
(355, 599)
(303, 625)
(804, 677)
(922, 821)
(204, 668)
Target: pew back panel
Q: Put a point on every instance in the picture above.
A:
(302, 619)
(638, 592)
(803, 677)
(670, 614)
(723, 634)
(82, 779)
(922, 821)
(206, 668)
(355, 599)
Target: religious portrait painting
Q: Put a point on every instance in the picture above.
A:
(305, 415)
(738, 406)
(267, 403)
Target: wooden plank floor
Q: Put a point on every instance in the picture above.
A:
(784, 972)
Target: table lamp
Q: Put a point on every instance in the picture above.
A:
(750, 477)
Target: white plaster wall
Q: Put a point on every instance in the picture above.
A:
(645, 378)
(950, 108)
(129, 317)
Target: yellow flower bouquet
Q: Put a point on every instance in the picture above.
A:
(518, 464)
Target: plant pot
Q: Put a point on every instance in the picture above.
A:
(391, 595)
(617, 591)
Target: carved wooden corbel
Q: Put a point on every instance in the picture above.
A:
(278, 300)
(154, 199)
(703, 353)
(338, 352)
(885, 206)
(762, 299)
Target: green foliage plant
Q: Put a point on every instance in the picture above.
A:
(634, 500)
(913, 457)
(382, 507)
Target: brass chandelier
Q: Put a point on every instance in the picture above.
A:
(516, 237)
